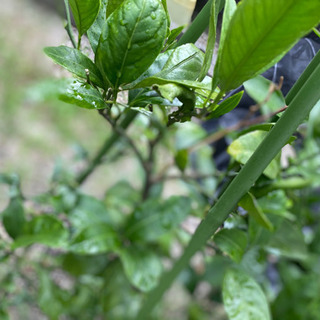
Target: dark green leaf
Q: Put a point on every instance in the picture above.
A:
(82, 95)
(288, 241)
(79, 265)
(131, 40)
(95, 239)
(226, 106)
(174, 33)
(258, 89)
(233, 242)
(142, 267)
(76, 62)
(250, 204)
(154, 218)
(242, 148)
(84, 13)
(13, 218)
(243, 297)
(112, 6)
(44, 229)
(259, 33)
(182, 66)
(95, 30)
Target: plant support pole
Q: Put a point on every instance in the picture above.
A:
(299, 108)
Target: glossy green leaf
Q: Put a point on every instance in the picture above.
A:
(131, 40)
(226, 106)
(182, 66)
(82, 95)
(112, 5)
(243, 298)
(233, 242)
(95, 30)
(44, 229)
(142, 267)
(95, 239)
(84, 13)
(154, 218)
(249, 203)
(13, 218)
(242, 148)
(258, 89)
(259, 33)
(76, 62)
(174, 33)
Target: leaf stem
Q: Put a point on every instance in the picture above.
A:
(69, 25)
(298, 110)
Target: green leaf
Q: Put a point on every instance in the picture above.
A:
(250, 204)
(211, 41)
(89, 210)
(242, 149)
(84, 13)
(142, 267)
(259, 33)
(174, 33)
(230, 7)
(258, 89)
(78, 265)
(112, 6)
(76, 62)
(95, 30)
(131, 40)
(82, 94)
(13, 218)
(182, 66)
(243, 298)
(288, 241)
(44, 229)
(95, 239)
(233, 242)
(154, 218)
(181, 159)
(226, 106)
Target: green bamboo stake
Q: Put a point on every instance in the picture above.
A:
(299, 108)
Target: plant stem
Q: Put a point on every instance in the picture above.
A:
(69, 25)
(298, 110)
(106, 147)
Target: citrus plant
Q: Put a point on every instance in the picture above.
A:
(128, 65)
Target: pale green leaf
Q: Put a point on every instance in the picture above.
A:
(142, 267)
(258, 89)
(243, 298)
(242, 149)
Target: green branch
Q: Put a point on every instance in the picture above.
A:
(69, 25)
(299, 108)
(106, 147)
